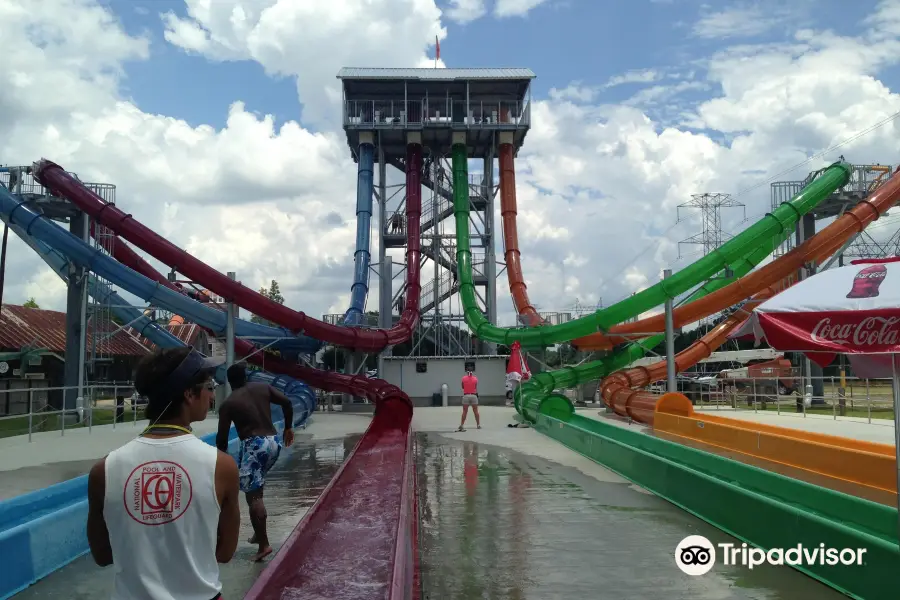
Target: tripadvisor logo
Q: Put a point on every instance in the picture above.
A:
(696, 555)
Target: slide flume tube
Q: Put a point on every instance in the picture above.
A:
(840, 229)
(149, 329)
(362, 256)
(782, 219)
(379, 392)
(123, 253)
(512, 256)
(53, 177)
(819, 247)
(156, 293)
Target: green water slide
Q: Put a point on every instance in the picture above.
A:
(740, 255)
(779, 222)
(536, 395)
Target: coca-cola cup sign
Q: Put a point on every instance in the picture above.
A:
(867, 282)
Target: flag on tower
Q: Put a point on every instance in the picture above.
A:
(437, 46)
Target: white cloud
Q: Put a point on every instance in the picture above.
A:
(310, 41)
(638, 76)
(515, 8)
(465, 11)
(748, 20)
(597, 183)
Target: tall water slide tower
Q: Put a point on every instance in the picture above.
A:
(390, 108)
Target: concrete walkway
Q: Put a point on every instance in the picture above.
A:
(51, 458)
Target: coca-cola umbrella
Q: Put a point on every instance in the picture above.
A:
(852, 310)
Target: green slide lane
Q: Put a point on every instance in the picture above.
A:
(532, 395)
(781, 221)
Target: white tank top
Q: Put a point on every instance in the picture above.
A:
(162, 514)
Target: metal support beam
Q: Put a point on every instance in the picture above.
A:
(670, 340)
(490, 259)
(806, 228)
(385, 262)
(76, 321)
(230, 310)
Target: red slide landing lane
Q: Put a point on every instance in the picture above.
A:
(343, 547)
(61, 183)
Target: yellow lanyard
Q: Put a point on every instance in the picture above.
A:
(175, 427)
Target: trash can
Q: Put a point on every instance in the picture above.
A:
(436, 399)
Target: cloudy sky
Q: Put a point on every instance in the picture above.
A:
(219, 121)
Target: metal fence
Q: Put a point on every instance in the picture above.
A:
(869, 399)
(111, 403)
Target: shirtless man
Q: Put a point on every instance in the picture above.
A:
(249, 407)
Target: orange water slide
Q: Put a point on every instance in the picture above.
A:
(616, 390)
(827, 241)
(512, 256)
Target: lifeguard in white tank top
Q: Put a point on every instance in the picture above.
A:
(163, 509)
(162, 514)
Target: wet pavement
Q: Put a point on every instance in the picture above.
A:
(291, 489)
(498, 524)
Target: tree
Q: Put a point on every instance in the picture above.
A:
(273, 294)
(31, 303)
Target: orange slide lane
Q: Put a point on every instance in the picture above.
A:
(829, 239)
(512, 256)
(845, 463)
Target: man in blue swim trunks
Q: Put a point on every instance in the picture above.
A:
(249, 408)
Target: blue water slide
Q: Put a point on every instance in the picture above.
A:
(301, 396)
(70, 246)
(362, 257)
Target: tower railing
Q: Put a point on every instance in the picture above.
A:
(426, 112)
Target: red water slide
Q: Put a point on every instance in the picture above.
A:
(512, 256)
(374, 490)
(63, 184)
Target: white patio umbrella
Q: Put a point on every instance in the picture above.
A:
(853, 310)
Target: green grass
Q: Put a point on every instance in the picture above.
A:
(42, 423)
(860, 409)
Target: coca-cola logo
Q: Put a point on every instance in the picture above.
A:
(873, 275)
(871, 331)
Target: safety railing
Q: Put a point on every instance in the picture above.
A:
(368, 320)
(446, 111)
(869, 400)
(38, 410)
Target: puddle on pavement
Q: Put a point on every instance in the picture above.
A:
(291, 489)
(497, 524)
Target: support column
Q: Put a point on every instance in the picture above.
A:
(490, 259)
(230, 312)
(385, 262)
(76, 321)
(812, 373)
(672, 385)
(385, 310)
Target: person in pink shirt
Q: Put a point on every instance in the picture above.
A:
(469, 398)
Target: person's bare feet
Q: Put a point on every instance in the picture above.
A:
(263, 552)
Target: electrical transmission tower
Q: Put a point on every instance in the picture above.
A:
(710, 206)
(866, 246)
